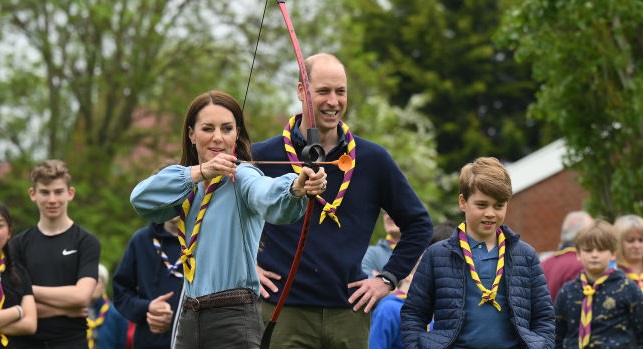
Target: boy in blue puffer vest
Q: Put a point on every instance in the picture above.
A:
(483, 287)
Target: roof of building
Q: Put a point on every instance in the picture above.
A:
(537, 166)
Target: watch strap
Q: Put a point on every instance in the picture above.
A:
(388, 276)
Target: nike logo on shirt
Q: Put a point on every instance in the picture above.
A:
(67, 253)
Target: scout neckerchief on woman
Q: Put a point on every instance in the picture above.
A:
(173, 269)
(187, 251)
(585, 326)
(488, 296)
(637, 277)
(93, 324)
(3, 339)
(329, 209)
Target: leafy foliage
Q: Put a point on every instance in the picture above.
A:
(587, 55)
(476, 93)
(81, 70)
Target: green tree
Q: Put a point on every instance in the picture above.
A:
(83, 72)
(78, 73)
(588, 57)
(477, 95)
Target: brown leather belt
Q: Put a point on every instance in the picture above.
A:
(221, 299)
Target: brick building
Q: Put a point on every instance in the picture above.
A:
(544, 192)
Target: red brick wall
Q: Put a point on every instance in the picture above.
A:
(536, 213)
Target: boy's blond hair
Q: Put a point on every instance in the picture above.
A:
(599, 235)
(50, 170)
(487, 175)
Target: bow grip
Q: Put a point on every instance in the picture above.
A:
(313, 151)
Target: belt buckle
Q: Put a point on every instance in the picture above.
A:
(196, 305)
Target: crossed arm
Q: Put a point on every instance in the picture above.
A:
(16, 322)
(71, 301)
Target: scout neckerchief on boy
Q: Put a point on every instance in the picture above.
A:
(585, 326)
(3, 339)
(329, 209)
(637, 277)
(488, 296)
(399, 294)
(173, 269)
(93, 324)
(187, 251)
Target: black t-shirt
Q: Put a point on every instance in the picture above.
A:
(59, 260)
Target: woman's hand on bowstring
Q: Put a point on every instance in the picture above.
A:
(220, 165)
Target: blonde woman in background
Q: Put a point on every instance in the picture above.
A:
(629, 232)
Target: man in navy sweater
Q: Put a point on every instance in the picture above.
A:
(330, 300)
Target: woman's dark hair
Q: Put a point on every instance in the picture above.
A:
(8, 260)
(243, 143)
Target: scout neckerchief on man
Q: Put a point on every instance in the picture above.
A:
(187, 251)
(173, 269)
(94, 324)
(585, 326)
(3, 339)
(488, 296)
(637, 277)
(329, 209)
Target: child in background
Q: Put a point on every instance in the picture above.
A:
(107, 328)
(385, 321)
(601, 308)
(483, 287)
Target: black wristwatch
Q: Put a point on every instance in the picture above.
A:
(388, 280)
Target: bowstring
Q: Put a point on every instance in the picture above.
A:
(245, 96)
(254, 56)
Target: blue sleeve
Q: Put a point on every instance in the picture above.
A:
(368, 262)
(125, 285)
(417, 311)
(561, 316)
(403, 205)
(159, 197)
(543, 322)
(385, 324)
(114, 335)
(270, 197)
(636, 313)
